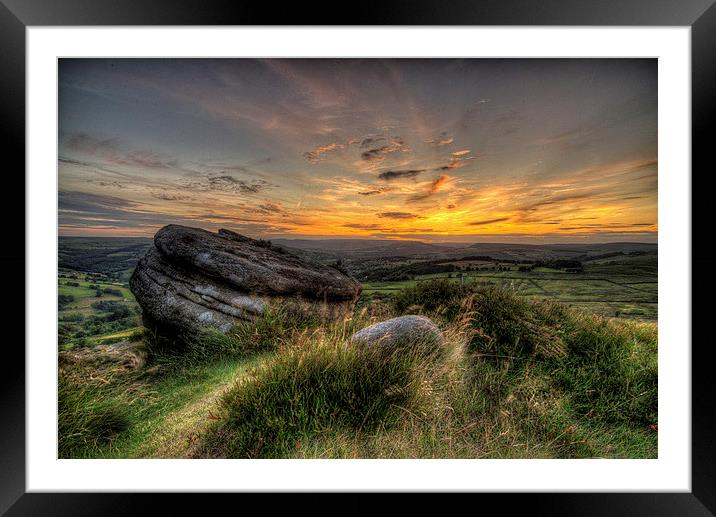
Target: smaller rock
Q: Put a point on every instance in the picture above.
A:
(400, 333)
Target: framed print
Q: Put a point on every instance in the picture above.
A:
(450, 253)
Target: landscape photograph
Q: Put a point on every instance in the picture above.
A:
(357, 258)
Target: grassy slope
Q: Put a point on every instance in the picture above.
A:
(516, 379)
(159, 412)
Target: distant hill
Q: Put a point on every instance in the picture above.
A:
(117, 256)
(532, 252)
(368, 248)
(365, 248)
(113, 256)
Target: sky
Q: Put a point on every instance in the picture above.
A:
(437, 150)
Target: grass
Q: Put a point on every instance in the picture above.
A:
(144, 399)
(87, 418)
(626, 290)
(515, 378)
(319, 384)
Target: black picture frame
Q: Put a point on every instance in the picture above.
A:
(17, 15)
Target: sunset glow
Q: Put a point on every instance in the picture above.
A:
(435, 150)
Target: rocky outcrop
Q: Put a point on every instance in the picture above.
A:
(193, 278)
(401, 333)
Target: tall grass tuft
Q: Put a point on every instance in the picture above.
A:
(320, 384)
(611, 370)
(87, 418)
(439, 295)
(509, 326)
(602, 370)
(267, 332)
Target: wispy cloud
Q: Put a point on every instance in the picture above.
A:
(455, 162)
(442, 139)
(434, 187)
(393, 175)
(110, 151)
(377, 154)
(566, 136)
(226, 183)
(316, 155)
(370, 141)
(169, 196)
(360, 226)
(397, 215)
(489, 221)
(374, 192)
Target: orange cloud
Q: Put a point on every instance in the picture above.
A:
(435, 186)
(316, 155)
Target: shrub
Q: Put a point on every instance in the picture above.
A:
(432, 296)
(64, 299)
(116, 310)
(509, 326)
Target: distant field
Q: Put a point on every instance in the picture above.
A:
(627, 289)
(85, 295)
(112, 257)
(93, 310)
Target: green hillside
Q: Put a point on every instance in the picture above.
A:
(516, 378)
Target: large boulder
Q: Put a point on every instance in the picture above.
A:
(401, 333)
(192, 279)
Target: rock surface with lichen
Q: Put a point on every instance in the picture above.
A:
(193, 279)
(399, 333)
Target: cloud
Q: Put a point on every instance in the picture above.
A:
(166, 196)
(461, 153)
(83, 201)
(109, 153)
(442, 139)
(109, 150)
(455, 162)
(392, 175)
(360, 226)
(107, 183)
(558, 199)
(566, 136)
(316, 155)
(377, 154)
(437, 183)
(397, 215)
(226, 183)
(601, 227)
(434, 186)
(489, 221)
(368, 141)
(268, 208)
(79, 211)
(374, 192)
